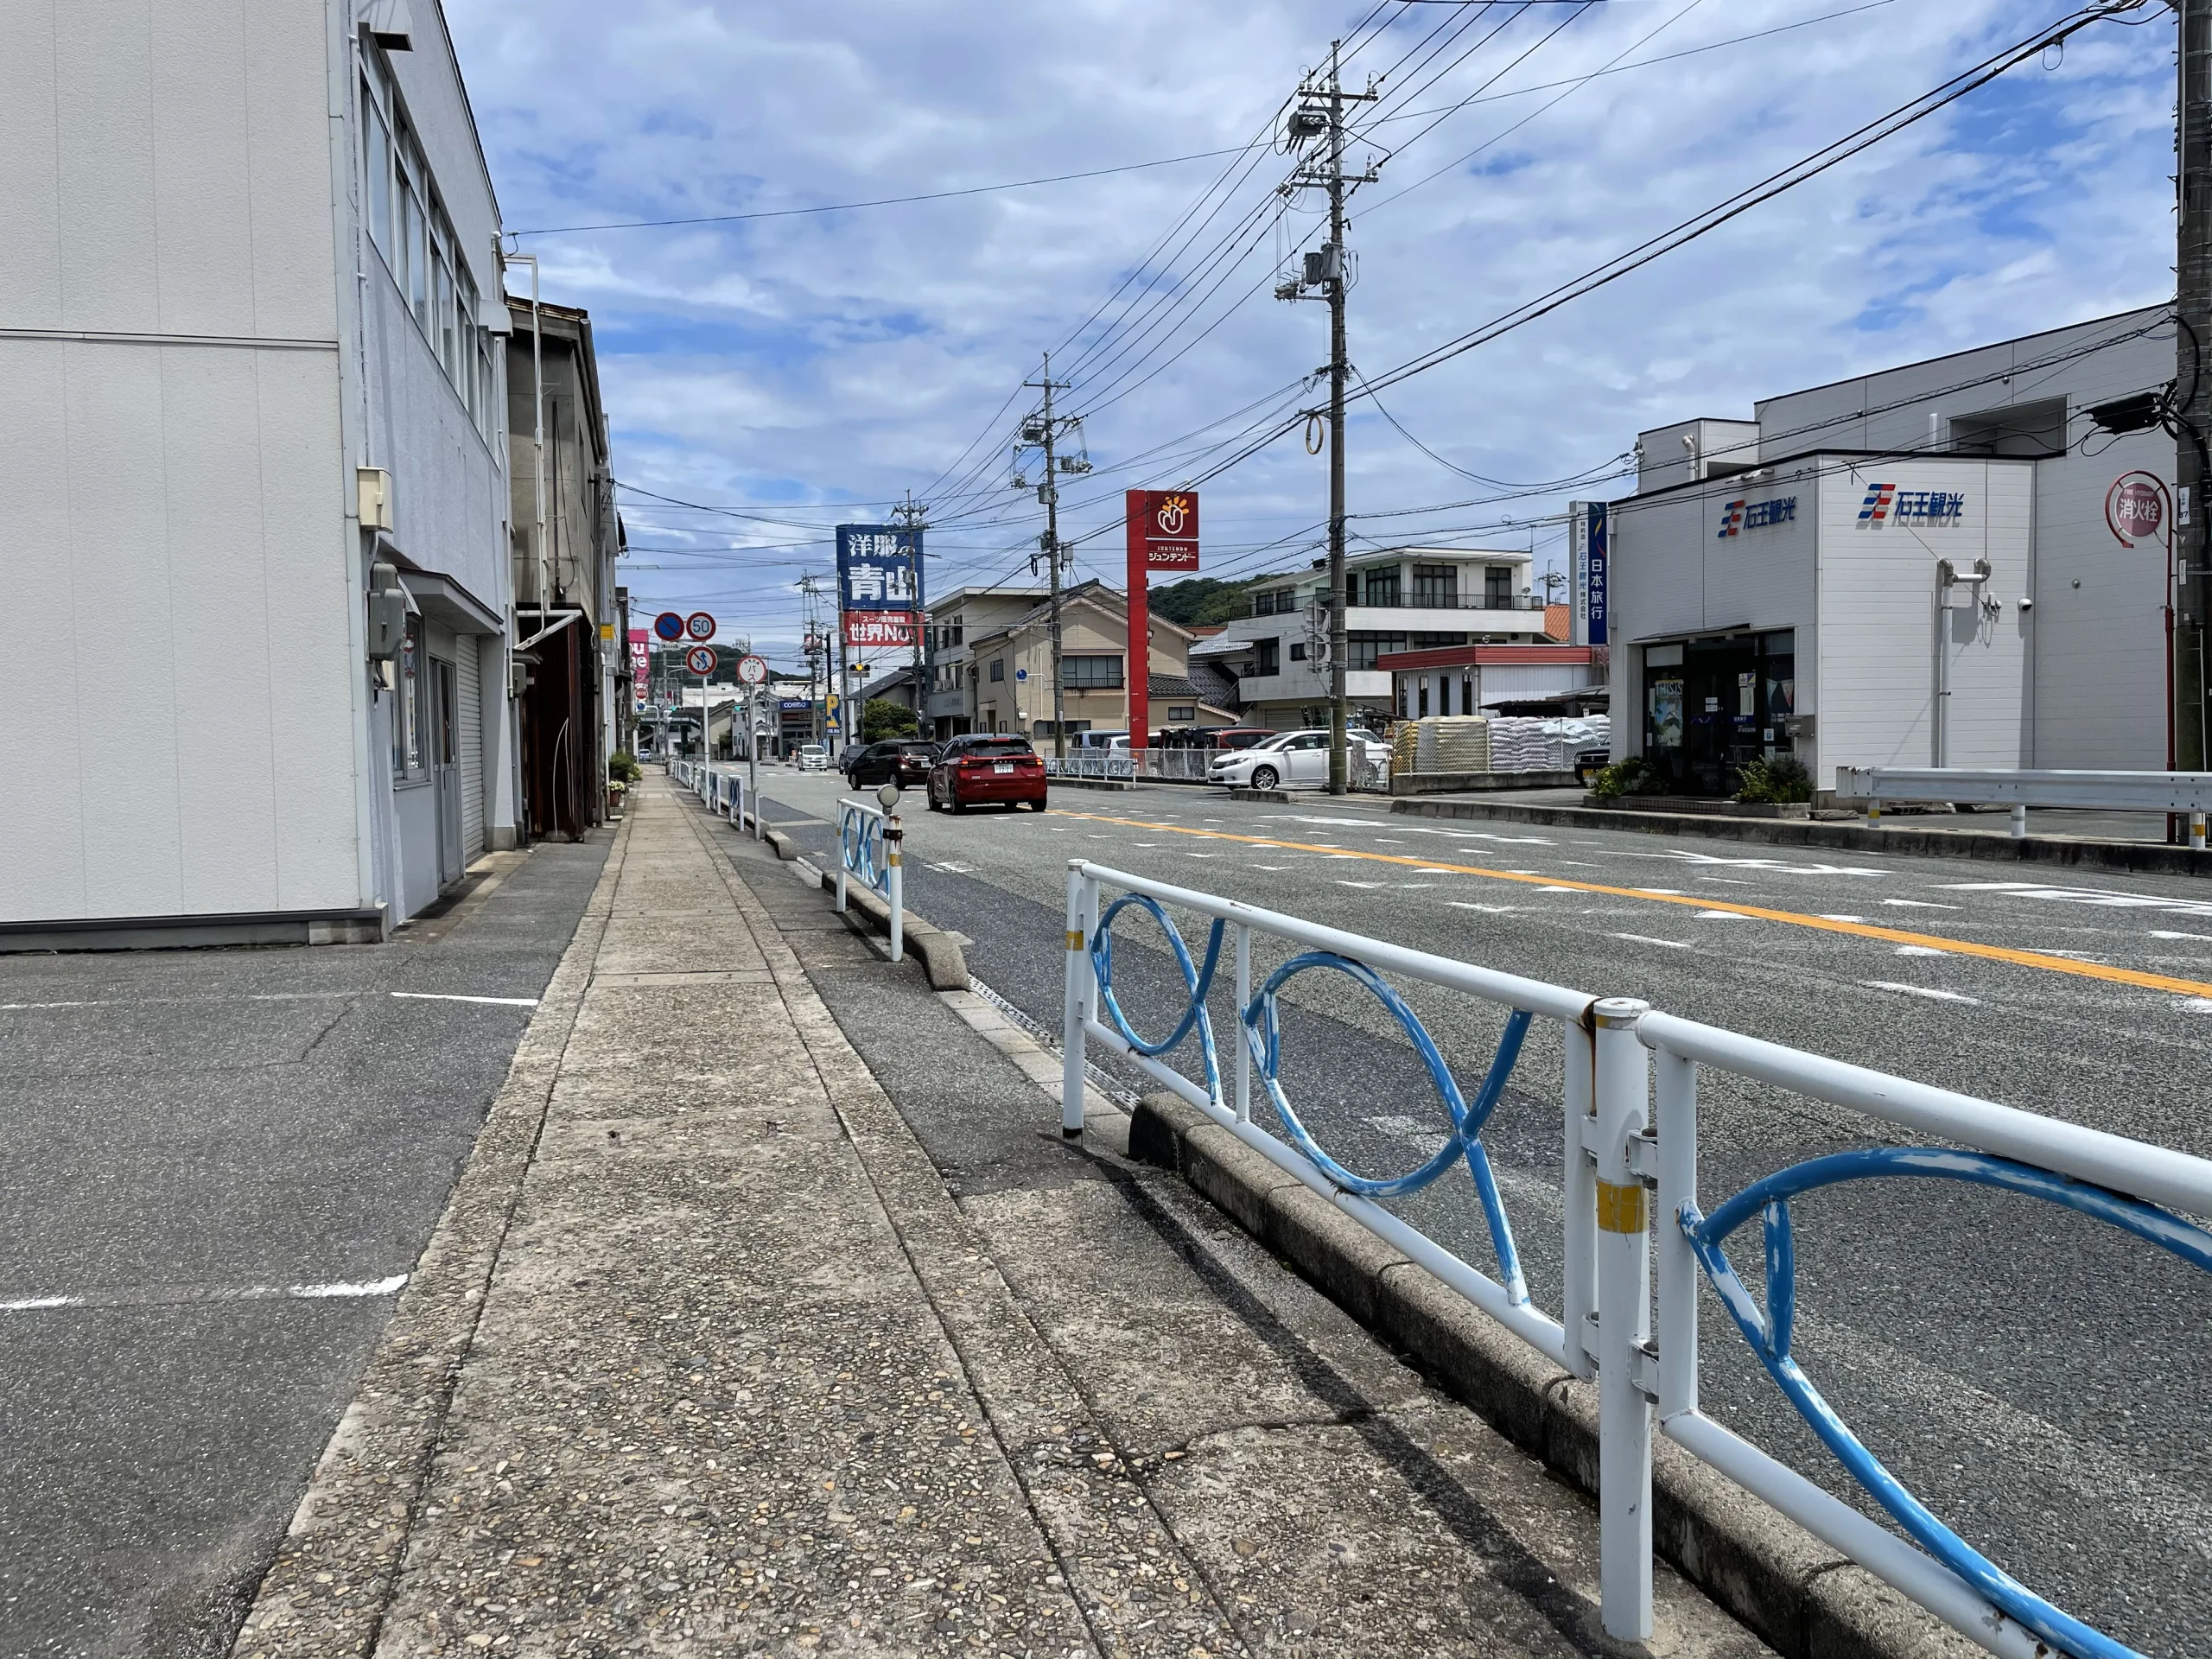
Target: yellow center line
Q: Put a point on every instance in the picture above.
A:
(1794, 919)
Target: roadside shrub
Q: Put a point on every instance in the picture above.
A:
(882, 718)
(622, 767)
(1779, 780)
(1634, 776)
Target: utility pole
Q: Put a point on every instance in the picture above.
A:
(915, 517)
(811, 612)
(1318, 113)
(1045, 432)
(2191, 419)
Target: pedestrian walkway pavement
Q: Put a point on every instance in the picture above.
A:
(772, 1314)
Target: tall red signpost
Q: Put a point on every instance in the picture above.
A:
(1162, 527)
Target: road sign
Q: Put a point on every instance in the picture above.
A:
(1020, 674)
(669, 626)
(753, 670)
(700, 659)
(699, 625)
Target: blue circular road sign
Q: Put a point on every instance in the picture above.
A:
(669, 625)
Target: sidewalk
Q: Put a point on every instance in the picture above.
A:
(729, 1343)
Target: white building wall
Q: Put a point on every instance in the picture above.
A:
(1880, 629)
(170, 491)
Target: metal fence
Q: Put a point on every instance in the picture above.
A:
(2177, 794)
(868, 848)
(1184, 766)
(726, 794)
(1617, 1159)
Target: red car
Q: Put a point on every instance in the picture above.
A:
(986, 769)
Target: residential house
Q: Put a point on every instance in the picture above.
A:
(953, 619)
(1012, 682)
(1396, 600)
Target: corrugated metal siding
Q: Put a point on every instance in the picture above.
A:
(466, 677)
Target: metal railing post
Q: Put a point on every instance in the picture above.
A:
(2196, 830)
(1677, 1266)
(1243, 1048)
(892, 837)
(1071, 1012)
(2019, 826)
(1578, 1311)
(844, 816)
(1623, 1323)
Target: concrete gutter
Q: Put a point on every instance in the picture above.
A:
(2141, 857)
(1799, 1597)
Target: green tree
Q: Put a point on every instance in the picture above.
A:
(883, 718)
(1202, 601)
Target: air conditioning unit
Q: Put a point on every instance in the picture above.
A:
(372, 486)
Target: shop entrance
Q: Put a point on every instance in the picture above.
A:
(1710, 706)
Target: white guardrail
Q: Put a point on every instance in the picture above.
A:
(726, 794)
(869, 841)
(1616, 1158)
(2178, 792)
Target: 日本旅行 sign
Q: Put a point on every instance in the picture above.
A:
(1162, 528)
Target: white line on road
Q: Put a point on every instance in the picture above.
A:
(32, 1304)
(1487, 910)
(442, 996)
(1928, 991)
(1921, 950)
(2161, 933)
(1645, 938)
(1723, 916)
(1918, 904)
(334, 1290)
(1827, 917)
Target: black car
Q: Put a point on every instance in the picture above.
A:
(900, 760)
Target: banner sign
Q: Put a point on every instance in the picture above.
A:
(1587, 535)
(1162, 526)
(641, 671)
(879, 567)
(875, 629)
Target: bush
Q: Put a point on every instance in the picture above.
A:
(622, 767)
(1781, 780)
(1634, 776)
(883, 718)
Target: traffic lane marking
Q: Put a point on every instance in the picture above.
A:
(2043, 960)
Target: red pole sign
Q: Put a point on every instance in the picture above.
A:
(1162, 528)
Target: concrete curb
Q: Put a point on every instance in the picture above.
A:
(1089, 783)
(1240, 792)
(2141, 857)
(941, 957)
(1799, 1596)
(335, 1571)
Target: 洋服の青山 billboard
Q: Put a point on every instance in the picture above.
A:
(1163, 529)
(882, 628)
(879, 567)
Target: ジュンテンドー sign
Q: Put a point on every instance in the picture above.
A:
(1163, 529)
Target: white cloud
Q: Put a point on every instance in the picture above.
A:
(853, 355)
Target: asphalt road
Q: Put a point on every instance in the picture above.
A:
(2045, 1385)
(220, 1166)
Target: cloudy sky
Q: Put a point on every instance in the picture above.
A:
(809, 367)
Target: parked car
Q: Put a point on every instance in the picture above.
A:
(814, 757)
(1290, 758)
(986, 768)
(900, 760)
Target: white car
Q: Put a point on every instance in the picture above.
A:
(1290, 758)
(814, 757)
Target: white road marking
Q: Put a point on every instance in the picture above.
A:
(1918, 904)
(325, 1293)
(1276, 869)
(1370, 885)
(1860, 919)
(1723, 916)
(33, 1304)
(1412, 1132)
(1487, 910)
(1724, 880)
(1671, 892)
(2102, 897)
(1559, 889)
(19, 1008)
(2197, 1004)
(440, 996)
(1683, 855)
(950, 868)
(1433, 869)
(1921, 950)
(2160, 933)
(1929, 992)
(1202, 854)
(1645, 938)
